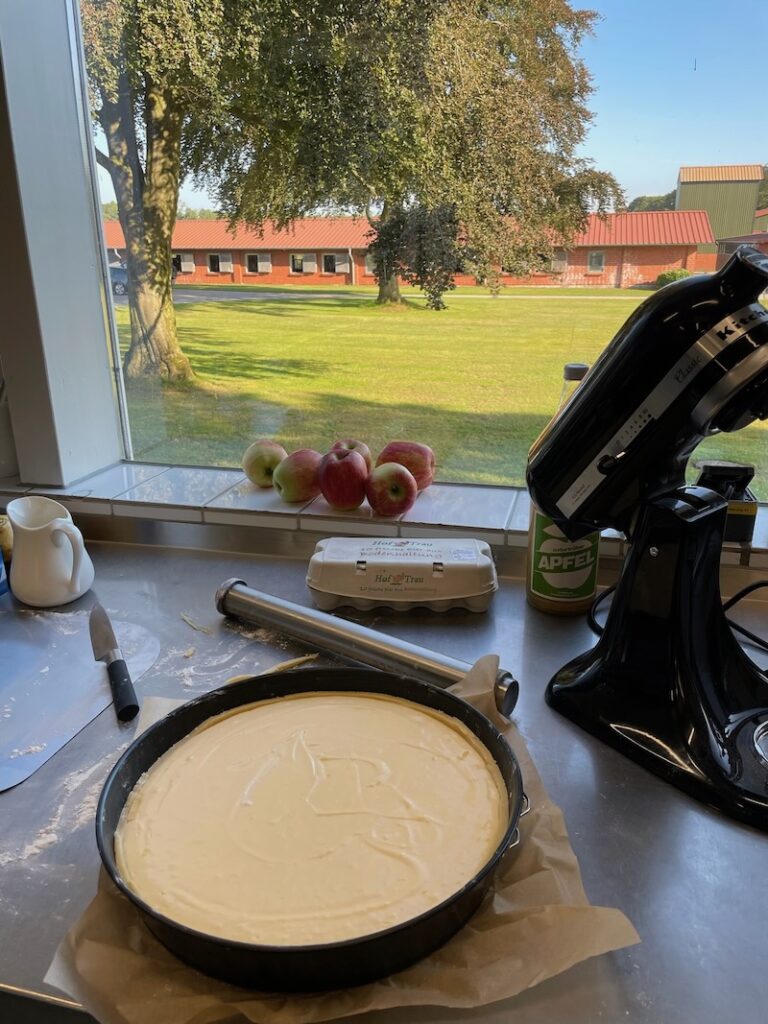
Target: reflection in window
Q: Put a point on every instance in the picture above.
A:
(297, 263)
(329, 263)
(596, 262)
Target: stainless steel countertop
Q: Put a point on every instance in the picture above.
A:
(690, 880)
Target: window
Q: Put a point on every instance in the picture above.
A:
(370, 264)
(183, 262)
(559, 262)
(220, 345)
(258, 262)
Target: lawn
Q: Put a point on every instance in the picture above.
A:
(477, 381)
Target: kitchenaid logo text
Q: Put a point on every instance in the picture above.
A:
(739, 323)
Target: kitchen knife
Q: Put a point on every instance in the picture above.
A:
(106, 649)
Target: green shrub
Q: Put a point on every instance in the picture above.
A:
(671, 275)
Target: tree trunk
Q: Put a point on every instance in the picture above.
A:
(388, 281)
(154, 349)
(389, 289)
(147, 200)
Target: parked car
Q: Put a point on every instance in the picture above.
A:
(118, 277)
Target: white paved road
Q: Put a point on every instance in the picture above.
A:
(184, 295)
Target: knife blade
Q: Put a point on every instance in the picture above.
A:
(107, 649)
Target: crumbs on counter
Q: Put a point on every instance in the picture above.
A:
(195, 625)
(35, 748)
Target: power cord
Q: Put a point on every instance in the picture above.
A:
(758, 641)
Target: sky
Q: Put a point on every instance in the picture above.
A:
(677, 82)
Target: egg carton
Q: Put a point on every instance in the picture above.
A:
(402, 573)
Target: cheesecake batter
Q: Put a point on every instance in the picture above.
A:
(312, 818)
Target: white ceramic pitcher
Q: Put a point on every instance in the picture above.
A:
(50, 565)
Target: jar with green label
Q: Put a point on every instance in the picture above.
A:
(561, 575)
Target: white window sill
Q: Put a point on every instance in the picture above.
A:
(188, 494)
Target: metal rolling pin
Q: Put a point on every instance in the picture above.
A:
(351, 640)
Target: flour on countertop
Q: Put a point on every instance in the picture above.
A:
(34, 749)
(78, 796)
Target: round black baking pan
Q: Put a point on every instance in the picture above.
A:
(312, 967)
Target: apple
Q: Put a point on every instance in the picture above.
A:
(355, 446)
(418, 458)
(342, 475)
(391, 489)
(260, 460)
(295, 478)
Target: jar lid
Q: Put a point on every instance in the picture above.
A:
(575, 371)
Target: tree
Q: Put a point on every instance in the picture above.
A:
(109, 210)
(153, 70)
(649, 203)
(185, 212)
(474, 106)
(423, 247)
(504, 110)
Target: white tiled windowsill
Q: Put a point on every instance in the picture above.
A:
(189, 494)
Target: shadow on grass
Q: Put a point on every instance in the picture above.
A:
(198, 426)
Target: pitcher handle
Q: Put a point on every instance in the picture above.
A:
(69, 530)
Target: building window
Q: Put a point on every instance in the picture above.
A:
(329, 263)
(183, 262)
(595, 263)
(559, 262)
(297, 263)
(214, 263)
(370, 264)
(258, 263)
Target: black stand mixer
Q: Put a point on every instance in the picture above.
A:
(667, 683)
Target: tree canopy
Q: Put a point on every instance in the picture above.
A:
(642, 204)
(460, 112)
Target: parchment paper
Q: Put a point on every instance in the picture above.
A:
(535, 923)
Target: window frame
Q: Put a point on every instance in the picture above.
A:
(296, 256)
(369, 265)
(323, 257)
(590, 254)
(216, 256)
(62, 309)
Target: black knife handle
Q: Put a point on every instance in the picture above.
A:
(123, 693)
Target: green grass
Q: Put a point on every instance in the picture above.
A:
(477, 381)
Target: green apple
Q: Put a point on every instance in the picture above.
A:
(260, 461)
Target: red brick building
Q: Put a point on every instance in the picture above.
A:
(620, 251)
(315, 250)
(627, 249)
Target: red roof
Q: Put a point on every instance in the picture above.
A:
(674, 227)
(670, 227)
(214, 235)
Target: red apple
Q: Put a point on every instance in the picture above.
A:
(391, 489)
(418, 458)
(295, 478)
(355, 446)
(342, 475)
(260, 460)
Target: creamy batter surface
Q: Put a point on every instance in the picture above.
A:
(312, 818)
